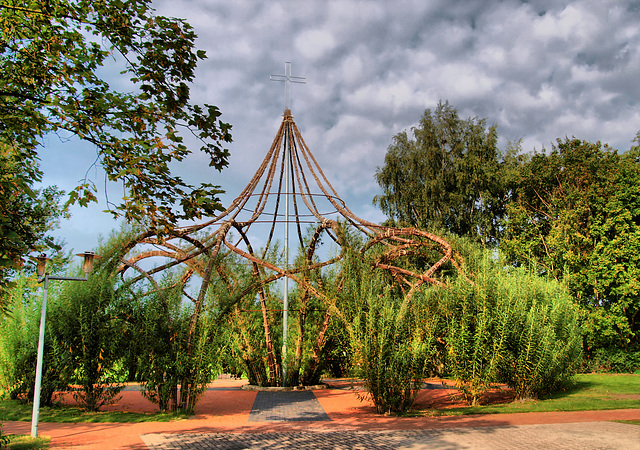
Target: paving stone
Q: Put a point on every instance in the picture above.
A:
(594, 435)
(286, 406)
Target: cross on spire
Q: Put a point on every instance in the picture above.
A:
(287, 79)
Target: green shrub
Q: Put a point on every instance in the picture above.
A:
(87, 332)
(614, 360)
(509, 327)
(19, 334)
(161, 340)
(4, 439)
(389, 353)
(388, 345)
(543, 338)
(469, 338)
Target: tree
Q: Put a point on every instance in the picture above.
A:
(52, 56)
(577, 218)
(26, 215)
(448, 176)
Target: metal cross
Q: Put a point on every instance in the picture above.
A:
(288, 79)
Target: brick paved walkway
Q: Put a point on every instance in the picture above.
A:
(598, 435)
(294, 406)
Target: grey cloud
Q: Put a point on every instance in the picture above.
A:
(523, 65)
(538, 69)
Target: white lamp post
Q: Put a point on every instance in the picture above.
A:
(41, 270)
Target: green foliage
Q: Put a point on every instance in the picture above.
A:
(550, 221)
(509, 327)
(389, 346)
(26, 442)
(469, 338)
(253, 317)
(4, 439)
(168, 346)
(584, 392)
(313, 322)
(542, 337)
(614, 360)
(389, 354)
(246, 352)
(248, 332)
(162, 326)
(53, 55)
(86, 332)
(27, 216)
(577, 218)
(449, 176)
(19, 345)
(160, 337)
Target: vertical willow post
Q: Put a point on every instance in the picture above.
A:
(288, 79)
(285, 295)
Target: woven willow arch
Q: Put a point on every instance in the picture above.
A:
(315, 203)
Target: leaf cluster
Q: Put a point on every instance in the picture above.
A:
(53, 55)
(27, 216)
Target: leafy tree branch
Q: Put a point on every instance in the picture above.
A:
(52, 53)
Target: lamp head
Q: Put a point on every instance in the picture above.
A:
(89, 258)
(41, 263)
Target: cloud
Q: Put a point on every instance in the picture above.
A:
(539, 69)
(315, 44)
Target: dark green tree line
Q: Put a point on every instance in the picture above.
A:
(449, 175)
(577, 218)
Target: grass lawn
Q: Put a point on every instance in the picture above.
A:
(14, 410)
(27, 442)
(585, 392)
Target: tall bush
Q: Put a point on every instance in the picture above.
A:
(389, 353)
(509, 327)
(470, 339)
(542, 334)
(19, 345)
(161, 335)
(87, 330)
(388, 346)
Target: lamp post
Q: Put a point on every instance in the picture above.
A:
(87, 268)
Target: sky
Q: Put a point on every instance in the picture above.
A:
(539, 70)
